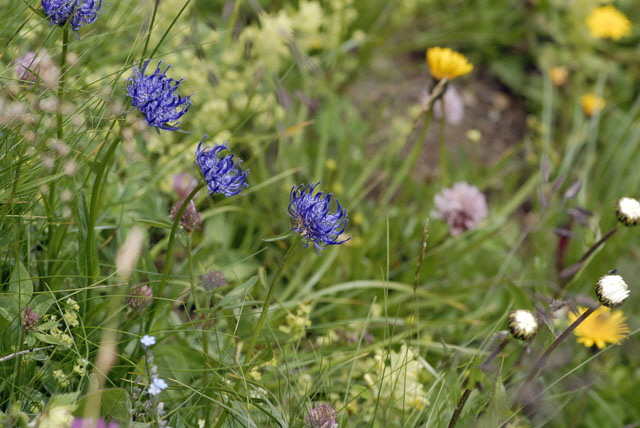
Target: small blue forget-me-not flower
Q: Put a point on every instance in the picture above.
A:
(156, 98)
(76, 12)
(147, 340)
(223, 174)
(157, 386)
(311, 216)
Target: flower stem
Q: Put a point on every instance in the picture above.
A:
(568, 273)
(267, 300)
(442, 147)
(156, 3)
(176, 222)
(263, 315)
(539, 365)
(456, 414)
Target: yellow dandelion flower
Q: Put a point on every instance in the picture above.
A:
(447, 64)
(602, 327)
(558, 75)
(607, 22)
(592, 104)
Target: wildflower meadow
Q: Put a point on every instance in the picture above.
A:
(319, 213)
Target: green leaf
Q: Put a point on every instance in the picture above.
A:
(238, 293)
(8, 308)
(47, 338)
(499, 409)
(20, 287)
(41, 303)
(115, 406)
(280, 237)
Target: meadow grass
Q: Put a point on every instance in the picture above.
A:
(402, 325)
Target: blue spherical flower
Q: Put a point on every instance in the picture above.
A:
(156, 98)
(223, 175)
(76, 12)
(311, 216)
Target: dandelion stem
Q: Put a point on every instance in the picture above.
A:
(539, 365)
(467, 392)
(494, 354)
(442, 147)
(456, 414)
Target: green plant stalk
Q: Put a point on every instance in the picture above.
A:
(263, 314)
(60, 134)
(205, 332)
(267, 300)
(156, 3)
(442, 147)
(96, 193)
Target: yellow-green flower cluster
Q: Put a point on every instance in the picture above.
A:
(395, 377)
(296, 324)
(237, 86)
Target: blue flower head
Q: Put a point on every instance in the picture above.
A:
(223, 175)
(76, 12)
(311, 216)
(156, 98)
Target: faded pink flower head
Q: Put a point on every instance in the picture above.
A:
(462, 206)
(453, 106)
(32, 67)
(322, 415)
(183, 184)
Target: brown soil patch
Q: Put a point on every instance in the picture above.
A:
(390, 87)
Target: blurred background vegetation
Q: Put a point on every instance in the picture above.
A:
(327, 91)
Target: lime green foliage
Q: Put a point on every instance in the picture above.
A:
(390, 327)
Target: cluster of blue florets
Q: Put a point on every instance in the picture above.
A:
(311, 216)
(156, 96)
(223, 174)
(76, 12)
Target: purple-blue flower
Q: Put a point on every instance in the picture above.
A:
(223, 174)
(156, 97)
(76, 12)
(311, 216)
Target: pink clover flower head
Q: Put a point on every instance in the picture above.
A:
(462, 206)
(32, 67)
(92, 423)
(322, 415)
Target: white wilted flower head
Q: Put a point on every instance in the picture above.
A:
(628, 211)
(612, 291)
(322, 415)
(523, 324)
(462, 206)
